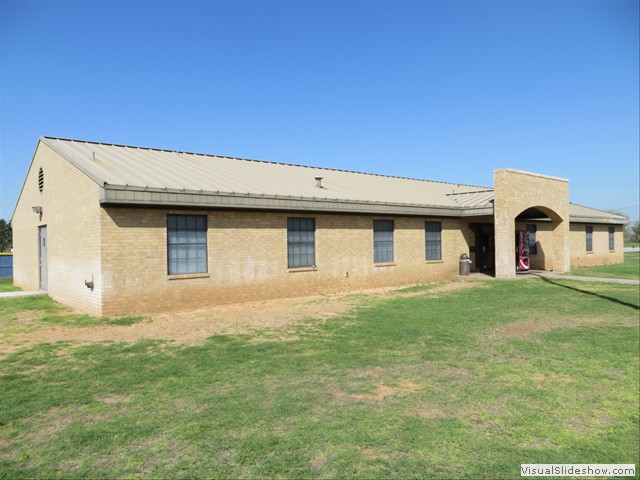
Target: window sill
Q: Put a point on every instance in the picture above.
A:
(302, 269)
(590, 253)
(385, 264)
(185, 276)
(434, 261)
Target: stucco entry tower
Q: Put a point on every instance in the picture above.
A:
(517, 192)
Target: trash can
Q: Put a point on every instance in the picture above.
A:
(465, 265)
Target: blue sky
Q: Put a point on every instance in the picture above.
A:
(441, 90)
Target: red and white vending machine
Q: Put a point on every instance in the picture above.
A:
(522, 251)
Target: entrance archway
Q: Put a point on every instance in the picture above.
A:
(518, 195)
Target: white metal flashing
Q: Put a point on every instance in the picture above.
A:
(532, 174)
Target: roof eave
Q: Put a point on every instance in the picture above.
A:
(144, 196)
(598, 219)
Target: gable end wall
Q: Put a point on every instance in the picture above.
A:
(71, 213)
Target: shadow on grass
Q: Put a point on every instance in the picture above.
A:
(586, 292)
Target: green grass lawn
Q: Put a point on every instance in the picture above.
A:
(461, 384)
(629, 269)
(6, 285)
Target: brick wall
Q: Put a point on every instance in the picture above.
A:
(247, 258)
(71, 213)
(600, 253)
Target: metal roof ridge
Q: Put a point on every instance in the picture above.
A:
(270, 162)
(487, 190)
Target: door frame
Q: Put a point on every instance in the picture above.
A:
(43, 277)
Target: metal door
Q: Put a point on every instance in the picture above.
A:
(485, 247)
(43, 257)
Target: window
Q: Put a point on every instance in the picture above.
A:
(301, 242)
(589, 231)
(533, 246)
(612, 243)
(433, 240)
(382, 241)
(186, 244)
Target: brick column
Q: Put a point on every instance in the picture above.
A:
(561, 247)
(505, 240)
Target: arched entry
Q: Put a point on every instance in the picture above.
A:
(521, 195)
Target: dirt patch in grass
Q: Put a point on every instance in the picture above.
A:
(318, 461)
(431, 413)
(433, 291)
(375, 454)
(526, 328)
(24, 320)
(587, 423)
(457, 286)
(542, 377)
(112, 399)
(197, 325)
(455, 372)
(405, 387)
(26, 315)
(538, 377)
(48, 424)
(275, 338)
(476, 413)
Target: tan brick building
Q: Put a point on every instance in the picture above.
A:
(111, 229)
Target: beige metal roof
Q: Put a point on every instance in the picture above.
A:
(582, 214)
(153, 170)
(474, 198)
(147, 176)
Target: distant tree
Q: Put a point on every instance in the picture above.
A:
(631, 229)
(6, 236)
(635, 230)
(628, 232)
(632, 232)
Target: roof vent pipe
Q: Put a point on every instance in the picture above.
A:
(318, 182)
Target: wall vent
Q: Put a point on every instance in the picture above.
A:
(41, 180)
